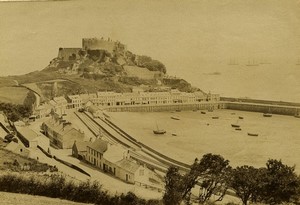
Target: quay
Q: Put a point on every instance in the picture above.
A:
(263, 106)
(168, 107)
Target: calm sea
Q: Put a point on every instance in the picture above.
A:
(267, 81)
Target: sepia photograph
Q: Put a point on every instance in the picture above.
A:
(149, 102)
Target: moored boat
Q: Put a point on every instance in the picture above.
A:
(159, 131)
(175, 118)
(238, 128)
(203, 112)
(267, 115)
(240, 117)
(252, 134)
(235, 125)
(215, 117)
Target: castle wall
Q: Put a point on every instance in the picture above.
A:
(101, 44)
(65, 53)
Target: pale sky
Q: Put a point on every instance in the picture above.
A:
(183, 34)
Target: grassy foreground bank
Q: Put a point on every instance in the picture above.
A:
(56, 186)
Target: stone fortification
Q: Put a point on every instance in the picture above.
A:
(68, 53)
(102, 44)
(92, 44)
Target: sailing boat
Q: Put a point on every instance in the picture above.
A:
(232, 62)
(268, 114)
(159, 131)
(252, 63)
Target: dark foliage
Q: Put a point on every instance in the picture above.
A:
(15, 112)
(58, 187)
(150, 64)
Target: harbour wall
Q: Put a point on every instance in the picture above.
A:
(168, 107)
(280, 108)
(263, 108)
(256, 101)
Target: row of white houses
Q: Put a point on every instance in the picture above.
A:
(114, 160)
(113, 99)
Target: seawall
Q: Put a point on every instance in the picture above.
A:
(168, 107)
(281, 108)
(263, 108)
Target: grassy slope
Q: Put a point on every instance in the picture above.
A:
(24, 199)
(14, 95)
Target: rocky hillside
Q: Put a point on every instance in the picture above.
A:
(98, 65)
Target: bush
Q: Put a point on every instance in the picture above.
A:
(57, 186)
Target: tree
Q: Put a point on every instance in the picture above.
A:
(245, 182)
(280, 184)
(214, 173)
(173, 192)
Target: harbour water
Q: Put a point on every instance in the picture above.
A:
(276, 81)
(196, 134)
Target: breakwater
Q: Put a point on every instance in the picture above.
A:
(168, 107)
(263, 106)
(243, 104)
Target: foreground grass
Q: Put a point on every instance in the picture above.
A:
(24, 199)
(56, 186)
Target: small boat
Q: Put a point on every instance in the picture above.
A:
(240, 117)
(267, 115)
(238, 128)
(175, 118)
(178, 110)
(203, 112)
(215, 117)
(252, 134)
(159, 131)
(174, 134)
(235, 125)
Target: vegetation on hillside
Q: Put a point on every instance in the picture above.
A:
(274, 184)
(15, 112)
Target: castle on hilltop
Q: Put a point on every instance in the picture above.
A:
(89, 44)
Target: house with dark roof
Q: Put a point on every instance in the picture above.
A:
(79, 149)
(95, 152)
(61, 133)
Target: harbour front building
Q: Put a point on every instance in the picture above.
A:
(61, 133)
(115, 160)
(109, 99)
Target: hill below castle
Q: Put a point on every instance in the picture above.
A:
(99, 65)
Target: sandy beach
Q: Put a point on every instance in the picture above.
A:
(198, 134)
